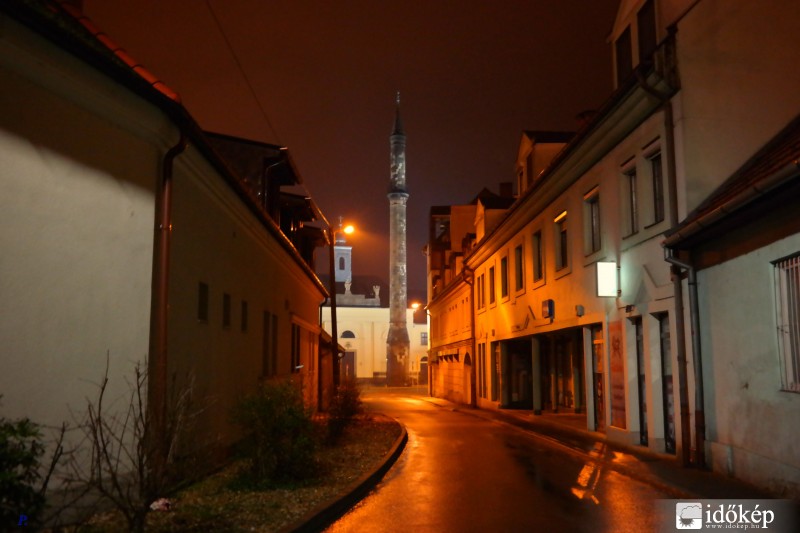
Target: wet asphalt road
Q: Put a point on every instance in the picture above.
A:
(462, 473)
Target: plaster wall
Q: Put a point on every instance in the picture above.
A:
(370, 325)
(749, 418)
(218, 241)
(739, 87)
(80, 162)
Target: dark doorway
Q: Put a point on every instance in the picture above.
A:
(562, 380)
(597, 378)
(348, 368)
(666, 380)
(518, 376)
(638, 329)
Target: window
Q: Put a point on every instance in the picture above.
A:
(269, 345)
(504, 277)
(480, 288)
(631, 202)
(591, 213)
(624, 56)
(482, 370)
(491, 285)
(538, 256)
(226, 310)
(658, 188)
(347, 334)
(341, 263)
(423, 338)
(202, 302)
(562, 241)
(787, 283)
(646, 25)
(244, 315)
(296, 366)
(519, 268)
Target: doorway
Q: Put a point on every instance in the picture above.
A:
(348, 365)
(598, 348)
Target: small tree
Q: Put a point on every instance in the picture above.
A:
(23, 478)
(279, 440)
(345, 406)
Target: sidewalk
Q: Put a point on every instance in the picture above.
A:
(662, 471)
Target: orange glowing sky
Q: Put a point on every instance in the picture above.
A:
(473, 74)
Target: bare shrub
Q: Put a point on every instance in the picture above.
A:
(117, 464)
(279, 441)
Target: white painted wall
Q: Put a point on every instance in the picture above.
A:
(739, 88)
(751, 423)
(79, 162)
(371, 326)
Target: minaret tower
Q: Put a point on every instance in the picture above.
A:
(397, 343)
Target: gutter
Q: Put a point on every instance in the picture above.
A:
(738, 201)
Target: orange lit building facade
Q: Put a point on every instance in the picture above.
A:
(543, 331)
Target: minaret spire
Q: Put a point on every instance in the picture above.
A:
(397, 342)
(398, 124)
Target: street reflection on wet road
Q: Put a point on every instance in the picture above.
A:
(463, 473)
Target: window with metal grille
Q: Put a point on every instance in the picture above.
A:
(787, 286)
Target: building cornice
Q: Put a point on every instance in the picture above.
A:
(627, 108)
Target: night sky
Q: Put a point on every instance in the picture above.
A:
(472, 75)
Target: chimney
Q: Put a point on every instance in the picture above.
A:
(506, 189)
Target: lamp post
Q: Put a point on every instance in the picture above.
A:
(332, 265)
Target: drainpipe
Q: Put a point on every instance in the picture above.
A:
(694, 314)
(680, 327)
(469, 279)
(159, 315)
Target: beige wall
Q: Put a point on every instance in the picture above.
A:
(370, 325)
(218, 241)
(737, 62)
(749, 428)
(79, 161)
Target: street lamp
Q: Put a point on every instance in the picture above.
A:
(332, 264)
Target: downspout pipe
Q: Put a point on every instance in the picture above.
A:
(680, 327)
(469, 278)
(159, 315)
(694, 314)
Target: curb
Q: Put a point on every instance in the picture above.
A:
(685, 489)
(325, 514)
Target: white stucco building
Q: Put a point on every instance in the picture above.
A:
(125, 236)
(362, 323)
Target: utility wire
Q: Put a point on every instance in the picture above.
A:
(241, 70)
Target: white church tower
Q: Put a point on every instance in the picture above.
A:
(397, 341)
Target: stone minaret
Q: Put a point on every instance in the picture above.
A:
(397, 343)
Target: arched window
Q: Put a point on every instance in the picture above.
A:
(348, 334)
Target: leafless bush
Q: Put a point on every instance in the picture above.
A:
(123, 461)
